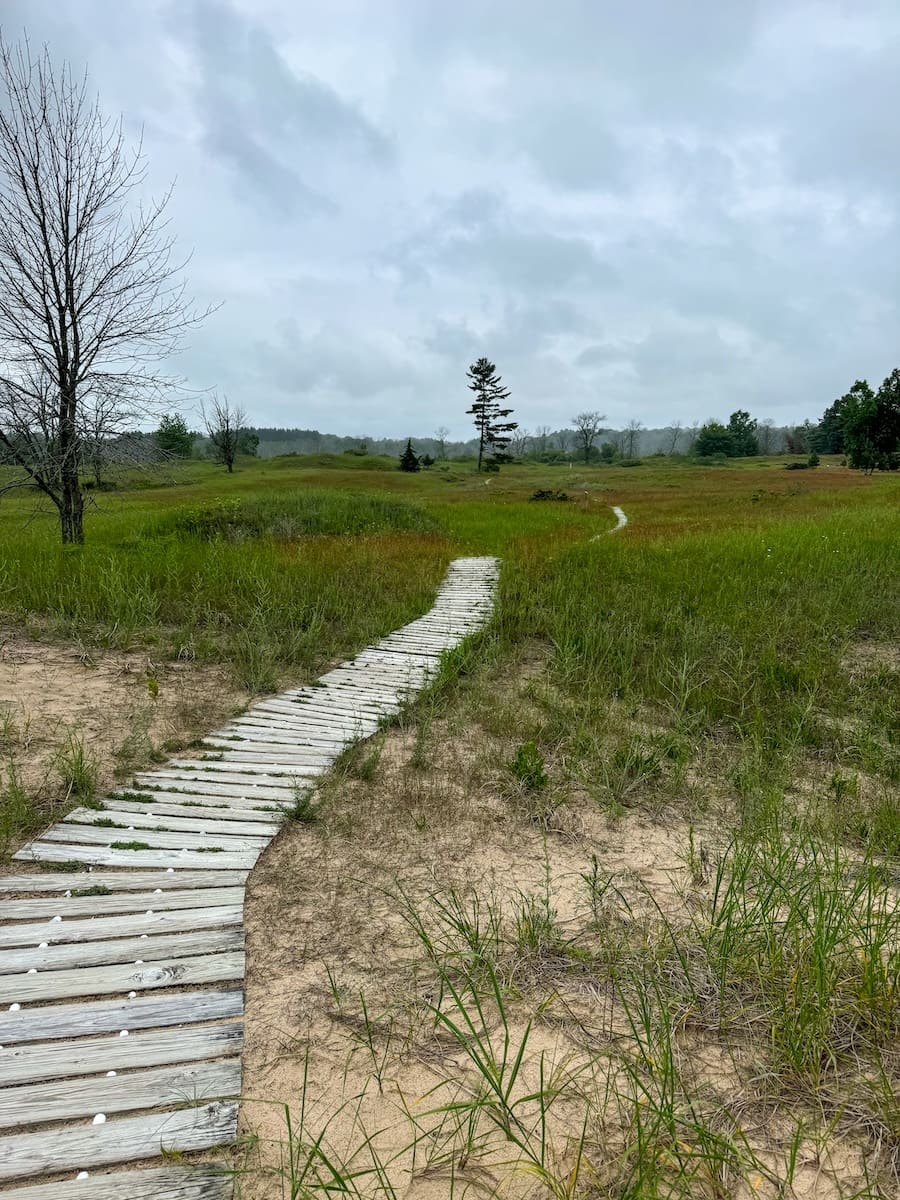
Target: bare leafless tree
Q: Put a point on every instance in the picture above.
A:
(765, 436)
(674, 436)
(224, 423)
(632, 439)
(588, 427)
(90, 293)
(541, 439)
(518, 443)
(440, 436)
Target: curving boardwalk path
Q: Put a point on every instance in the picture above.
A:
(121, 972)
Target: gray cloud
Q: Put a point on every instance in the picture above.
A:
(660, 210)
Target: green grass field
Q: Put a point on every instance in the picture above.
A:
(729, 660)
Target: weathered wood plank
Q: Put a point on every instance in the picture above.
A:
(306, 714)
(102, 981)
(91, 1056)
(300, 775)
(217, 768)
(204, 813)
(102, 857)
(120, 881)
(68, 907)
(244, 734)
(151, 817)
(298, 754)
(148, 948)
(91, 835)
(127, 1138)
(331, 735)
(315, 759)
(151, 920)
(186, 1182)
(245, 726)
(80, 1019)
(157, 1087)
(204, 783)
(223, 806)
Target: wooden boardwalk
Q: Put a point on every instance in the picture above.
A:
(121, 972)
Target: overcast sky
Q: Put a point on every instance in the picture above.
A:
(661, 209)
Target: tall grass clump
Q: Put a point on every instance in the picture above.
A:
(266, 604)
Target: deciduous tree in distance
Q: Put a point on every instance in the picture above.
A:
(488, 411)
(224, 423)
(588, 427)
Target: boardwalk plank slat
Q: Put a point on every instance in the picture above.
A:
(118, 1141)
(103, 981)
(150, 817)
(147, 948)
(68, 907)
(102, 857)
(157, 1183)
(81, 1019)
(157, 1087)
(151, 920)
(117, 881)
(90, 1056)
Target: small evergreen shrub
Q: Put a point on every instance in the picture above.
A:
(549, 494)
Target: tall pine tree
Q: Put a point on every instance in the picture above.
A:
(490, 416)
(409, 460)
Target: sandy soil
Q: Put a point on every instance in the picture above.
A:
(124, 707)
(341, 1032)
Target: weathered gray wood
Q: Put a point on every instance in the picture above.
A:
(315, 759)
(187, 1182)
(91, 835)
(218, 768)
(363, 689)
(101, 857)
(151, 920)
(205, 783)
(332, 734)
(121, 1140)
(82, 1018)
(223, 806)
(245, 734)
(296, 774)
(246, 727)
(120, 881)
(157, 818)
(102, 981)
(157, 1087)
(193, 811)
(68, 907)
(306, 715)
(152, 948)
(91, 1056)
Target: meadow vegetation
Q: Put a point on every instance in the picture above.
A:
(613, 911)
